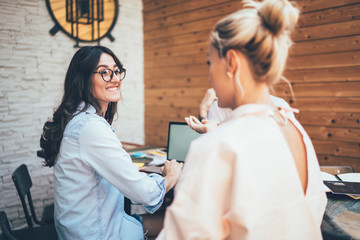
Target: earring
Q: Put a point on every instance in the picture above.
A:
(229, 74)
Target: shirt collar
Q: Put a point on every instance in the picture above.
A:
(90, 109)
(261, 110)
(250, 109)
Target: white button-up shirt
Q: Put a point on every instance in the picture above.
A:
(93, 173)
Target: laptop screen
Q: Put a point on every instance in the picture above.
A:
(180, 136)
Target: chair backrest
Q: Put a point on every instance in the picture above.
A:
(334, 170)
(5, 227)
(23, 184)
(22, 180)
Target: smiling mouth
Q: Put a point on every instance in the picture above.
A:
(115, 88)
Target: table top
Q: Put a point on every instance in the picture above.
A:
(342, 215)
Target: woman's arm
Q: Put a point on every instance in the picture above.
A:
(171, 172)
(102, 150)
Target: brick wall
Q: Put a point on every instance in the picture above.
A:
(32, 69)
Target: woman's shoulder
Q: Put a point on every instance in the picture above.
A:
(84, 121)
(239, 130)
(83, 118)
(279, 102)
(246, 124)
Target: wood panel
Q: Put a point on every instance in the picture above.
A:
(331, 15)
(179, 29)
(174, 93)
(190, 16)
(327, 31)
(332, 45)
(183, 39)
(172, 101)
(184, 60)
(337, 148)
(324, 104)
(156, 6)
(336, 74)
(172, 51)
(334, 133)
(311, 5)
(168, 112)
(172, 8)
(323, 68)
(331, 89)
(350, 120)
(178, 82)
(181, 70)
(326, 60)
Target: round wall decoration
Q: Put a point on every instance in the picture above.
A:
(83, 20)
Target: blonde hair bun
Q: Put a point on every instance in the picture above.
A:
(260, 30)
(278, 16)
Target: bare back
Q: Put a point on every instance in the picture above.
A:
(297, 146)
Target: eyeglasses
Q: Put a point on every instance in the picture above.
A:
(107, 74)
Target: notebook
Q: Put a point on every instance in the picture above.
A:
(180, 135)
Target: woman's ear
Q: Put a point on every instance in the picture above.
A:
(231, 62)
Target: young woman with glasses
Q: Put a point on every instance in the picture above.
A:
(256, 175)
(92, 172)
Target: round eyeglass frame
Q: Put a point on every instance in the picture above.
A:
(122, 71)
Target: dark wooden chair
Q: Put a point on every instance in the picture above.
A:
(47, 232)
(23, 184)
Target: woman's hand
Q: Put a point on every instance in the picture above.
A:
(200, 127)
(171, 172)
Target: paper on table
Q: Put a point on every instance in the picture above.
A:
(350, 177)
(158, 158)
(149, 157)
(140, 165)
(345, 177)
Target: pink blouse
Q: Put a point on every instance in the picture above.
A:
(240, 181)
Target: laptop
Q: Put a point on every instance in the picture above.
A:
(180, 135)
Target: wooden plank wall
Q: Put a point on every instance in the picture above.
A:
(323, 68)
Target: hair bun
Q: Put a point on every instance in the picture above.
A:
(279, 16)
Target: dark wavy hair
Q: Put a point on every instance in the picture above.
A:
(78, 87)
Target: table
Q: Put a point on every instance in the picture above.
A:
(342, 216)
(133, 208)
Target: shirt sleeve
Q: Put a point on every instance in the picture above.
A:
(192, 215)
(102, 150)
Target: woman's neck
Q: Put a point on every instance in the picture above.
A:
(102, 111)
(258, 93)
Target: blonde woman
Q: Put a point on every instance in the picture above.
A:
(256, 176)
